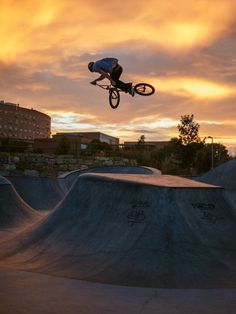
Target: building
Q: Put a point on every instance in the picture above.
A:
(150, 145)
(23, 124)
(74, 141)
(87, 137)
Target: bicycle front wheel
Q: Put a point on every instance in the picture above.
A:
(144, 89)
(114, 98)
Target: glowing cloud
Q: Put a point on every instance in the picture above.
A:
(34, 26)
(198, 88)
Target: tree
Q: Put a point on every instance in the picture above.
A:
(169, 158)
(141, 142)
(221, 154)
(97, 146)
(141, 139)
(185, 155)
(188, 130)
(203, 158)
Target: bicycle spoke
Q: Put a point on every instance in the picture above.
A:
(144, 89)
(114, 98)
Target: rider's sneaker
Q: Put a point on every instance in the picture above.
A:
(131, 90)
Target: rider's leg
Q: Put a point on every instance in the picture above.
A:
(115, 75)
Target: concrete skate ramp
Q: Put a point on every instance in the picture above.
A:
(13, 210)
(41, 193)
(66, 180)
(153, 231)
(224, 175)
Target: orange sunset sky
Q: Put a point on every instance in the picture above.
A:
(185, 48)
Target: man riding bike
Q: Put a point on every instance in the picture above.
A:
(110, 69)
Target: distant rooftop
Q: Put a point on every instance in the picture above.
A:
(2, 102)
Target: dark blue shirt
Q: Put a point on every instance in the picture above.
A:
(106, 64)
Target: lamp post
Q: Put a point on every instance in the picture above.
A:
(212, 150)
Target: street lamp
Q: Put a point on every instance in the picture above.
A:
(212, 150)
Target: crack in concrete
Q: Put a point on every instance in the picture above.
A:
(148, 301)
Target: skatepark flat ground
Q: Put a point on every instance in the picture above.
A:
(31, 293)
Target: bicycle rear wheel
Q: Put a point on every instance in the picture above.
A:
(114, 98)
(144, 89)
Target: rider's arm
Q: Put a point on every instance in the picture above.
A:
(103, 76)
(100, 78)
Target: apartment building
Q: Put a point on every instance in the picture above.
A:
(21, 123)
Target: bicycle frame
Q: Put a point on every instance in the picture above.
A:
(109, 87)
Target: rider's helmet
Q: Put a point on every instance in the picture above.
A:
(90, 66)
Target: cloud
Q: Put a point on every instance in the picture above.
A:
(195, 87)
(78, 25)
(186, 49)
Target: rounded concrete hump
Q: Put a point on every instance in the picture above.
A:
(41, 193)
(4, 181)
(154, 171)
(13, 209)
(66, 180)
(223, 175)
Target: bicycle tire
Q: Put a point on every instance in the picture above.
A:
(114, 98)
(144, 89)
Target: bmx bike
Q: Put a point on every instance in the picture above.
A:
(143, 89)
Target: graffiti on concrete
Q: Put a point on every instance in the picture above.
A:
(136, 216)
(211, 218)
(137, 212)
(139, 204)
(203, 205)
(206, 212)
